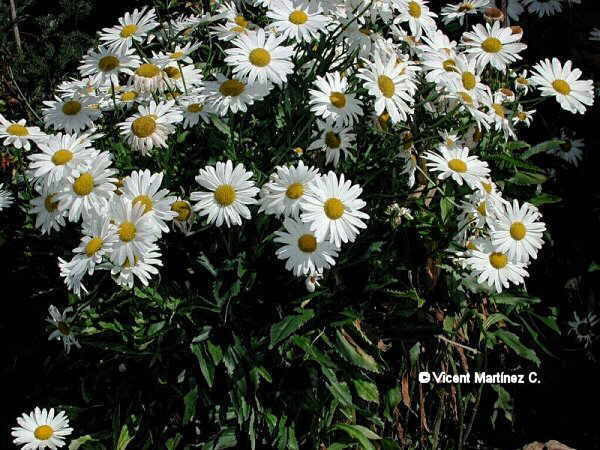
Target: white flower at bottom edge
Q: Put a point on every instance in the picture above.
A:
(41, 429)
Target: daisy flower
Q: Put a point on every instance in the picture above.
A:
(151, 126)
(193, 108)
(333, 210)
(18, 134)
(552, 78)
(460, 10)
(88, 188)
(303, 252)
(358, 37)
(385, 81)
(148, 76)
(259, 57)
(233, 94)
(469, 100)
(523, 117)
(229, 191)
(333, 100)
(543, 7)
(99, 236)
(494, 267)
(457, 164)
(522, 82)
(570, 151)
(493, 45)
(41, 429)
(181, 54)
(62, 323)
(334, 139)
(48, 216)
(185, 216)
(61, 155)
(6, 198)
(71, 114)
(418, 16)
(103, 66)
(132, 27)
(312, 281)
(143, 187)
(182, 78)
(450, 139)
(135, 230)
(229, 30)
(142, 268)
(499, 114)
(300, 20)
(283, 194)
(517, 230)
(72, 271)
(583, 328)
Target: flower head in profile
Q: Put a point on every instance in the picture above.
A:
(63, 331)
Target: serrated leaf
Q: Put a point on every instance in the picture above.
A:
(282, 330)
(339, 390)
(513, 341)
(366, 390)
(354, 353)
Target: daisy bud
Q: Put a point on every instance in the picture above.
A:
(493, 15)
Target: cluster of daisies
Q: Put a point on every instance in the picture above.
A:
(367, 62)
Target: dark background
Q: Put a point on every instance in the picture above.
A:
(55, 33)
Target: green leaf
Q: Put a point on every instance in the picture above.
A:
(544, 199)
(507, 299)
(526, 178)
(220, 125)
(544, 146)
(340, 390)
(354, 353)
(313, 352)
(513, 341)
(359, 433)
(76, 443)
(190, 400)
(446, 207)
(366, 390)
(282, 330)
(124, 438)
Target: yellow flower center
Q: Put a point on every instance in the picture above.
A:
(465, 7)
(128, 30)
(173, 72)
(518, 231)
(337, 99)
(487, 187)
(468, 80)
(386, 86)
(182, 209)
(93, 246)
(522, 80)
(49, 204)
(43, 432)
(84, 184)
(457, 165)
(482, 209)
(491, 45)
(498, 260)
(307, 243)
(414, 9)
(566, 146)
(259, 57)
(225, 195)
(143, 126)
(499, 110)
(129, 96)
(232, 88)
(241, 21)
(71, 107)
(17, 130)
(147, 70)
(295, 191)
(61, 157)
(144, 200)
(108, 63)
(127, 231)
(383, 120)
(194, 108)
(521, 115)
(176, 55)
(298, 151)
(332, 139)
(466, 98)
(334, 208)
(449, 65)
(298, 17)
(562, 87)
(365, 31)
